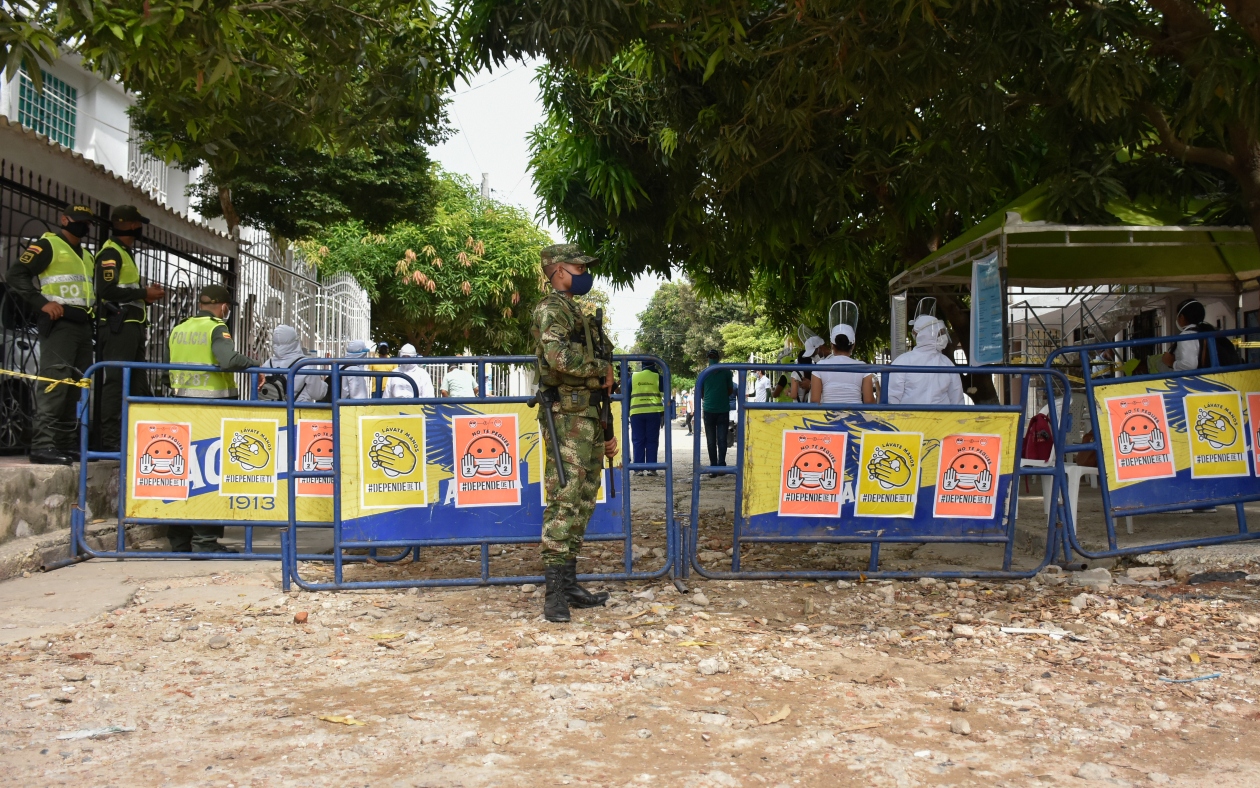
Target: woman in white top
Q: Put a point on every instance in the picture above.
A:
(829, 386)
(401, 388)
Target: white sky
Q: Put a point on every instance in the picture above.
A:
(492, 117)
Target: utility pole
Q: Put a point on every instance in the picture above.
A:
(485, 185)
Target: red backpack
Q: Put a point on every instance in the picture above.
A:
(1039, 440)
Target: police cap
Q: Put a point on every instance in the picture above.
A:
(127, 213)
(80, 213)
(215, 294)
(565, 253)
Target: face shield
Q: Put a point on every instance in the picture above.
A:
(842, 319)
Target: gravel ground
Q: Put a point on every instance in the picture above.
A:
(149, 674)
(760, 683)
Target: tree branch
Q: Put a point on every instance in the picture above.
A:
(1173, 146)
(1247, 14)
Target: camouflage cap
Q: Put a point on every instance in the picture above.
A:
(565, 253)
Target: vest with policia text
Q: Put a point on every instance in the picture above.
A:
(645, 393)
(68, 278)
(191, 343)
(580, 341)
(128, 276)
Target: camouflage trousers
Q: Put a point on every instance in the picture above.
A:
(569, 508)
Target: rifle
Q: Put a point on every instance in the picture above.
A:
(543, 398)
(605, 398)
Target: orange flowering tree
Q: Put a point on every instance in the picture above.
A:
(468, 279)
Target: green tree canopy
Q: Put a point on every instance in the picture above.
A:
(225, 83)
(298, 193)
(807, 152)
(681, 327)
(469, 278)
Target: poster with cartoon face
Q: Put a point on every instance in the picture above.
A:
(888, 474)
(315, 453)
(966, 482)
(487, 463)
(162, 460)
(1218, 437)
(812, 473)
(249, 456)
(1140, 444)
(393, 470)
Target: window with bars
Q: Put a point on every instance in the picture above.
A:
(53, 112)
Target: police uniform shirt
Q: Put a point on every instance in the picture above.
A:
(108, 269)
(24, 278)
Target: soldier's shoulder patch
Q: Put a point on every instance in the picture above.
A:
(108, 273)
(226, 335)
(27, 256)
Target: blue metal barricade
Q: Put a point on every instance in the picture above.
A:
(181, 476)
(876, 473)
(384, 453)
(1170, 440)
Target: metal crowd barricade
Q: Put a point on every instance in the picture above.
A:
(790, 450)
(1168, 461)
(381, 496)
(189, 466)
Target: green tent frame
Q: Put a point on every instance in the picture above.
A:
(1144, 250)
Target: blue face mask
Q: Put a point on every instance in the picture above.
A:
(582, 283)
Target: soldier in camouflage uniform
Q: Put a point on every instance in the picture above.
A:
(571, 372)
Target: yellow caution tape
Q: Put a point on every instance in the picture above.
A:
(52, 382)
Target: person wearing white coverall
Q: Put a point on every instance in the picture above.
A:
(356, 387)
(286, 350)
(925, 388)
(399, 388)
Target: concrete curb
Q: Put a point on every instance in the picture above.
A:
(33, 553)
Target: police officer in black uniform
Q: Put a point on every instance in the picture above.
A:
(124, 315)
(54, 277)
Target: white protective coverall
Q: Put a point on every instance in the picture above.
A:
(286, 349)
(357, 387)
(397, 388)
(924, 388)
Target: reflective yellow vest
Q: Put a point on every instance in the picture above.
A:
(191, 342)
(128, 276)
(68, 278)
(645, 393)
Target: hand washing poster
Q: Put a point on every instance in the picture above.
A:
(1218, 438)
(888, 474)
(249, 459)
(392, 465)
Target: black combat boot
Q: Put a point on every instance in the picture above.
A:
(556, 606)
(579, 597)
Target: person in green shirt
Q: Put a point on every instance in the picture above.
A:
(718, 389)
(53, 276)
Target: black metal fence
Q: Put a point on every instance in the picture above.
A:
(29, 206)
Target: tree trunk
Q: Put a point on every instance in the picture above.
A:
(229, 210)
(1247, 173)
(959, 320)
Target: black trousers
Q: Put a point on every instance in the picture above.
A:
(127, 345)
(716, 428)
(65, 350)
